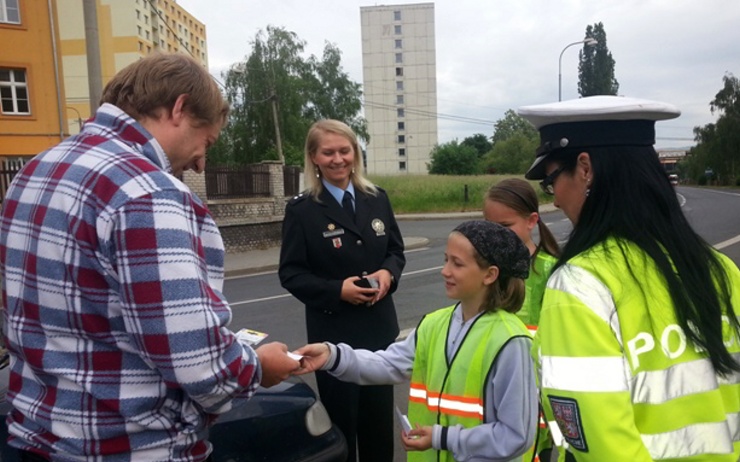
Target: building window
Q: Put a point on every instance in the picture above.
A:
(402, 152)
(397, 15)
(399, 85)
(138, 14)
(14, 91)
(401, 138)
(397, 30)
(399, 43)
(402, 125)
(141, 46)
(147, 34)
(399, 58)
(400, 112)
(9, 11)
(399, 72)
(402, 166)
(139, 27)
(399, 99)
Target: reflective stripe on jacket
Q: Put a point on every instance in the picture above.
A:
(449, 391)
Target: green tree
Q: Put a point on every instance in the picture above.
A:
(513, 124)
(333, 95)
(596, 66)
(718, 144)
(276, 80)
(514, 143)
(453, 158)
(479, 142)
(512, 155)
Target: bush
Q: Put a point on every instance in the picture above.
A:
(737, 181)
(702, 180)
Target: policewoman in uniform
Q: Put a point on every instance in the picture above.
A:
(339, 230)
(638, 336)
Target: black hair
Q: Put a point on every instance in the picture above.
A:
(631, 199)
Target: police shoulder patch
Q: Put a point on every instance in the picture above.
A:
(568, 417)
(298, 198)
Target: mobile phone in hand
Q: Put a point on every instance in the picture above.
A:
(367, 283)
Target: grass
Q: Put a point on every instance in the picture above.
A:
(441, 193)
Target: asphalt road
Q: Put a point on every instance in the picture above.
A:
(260, 303)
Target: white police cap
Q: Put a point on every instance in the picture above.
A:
(593, 121)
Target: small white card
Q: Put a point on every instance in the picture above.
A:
(295, 356)
(404, 421)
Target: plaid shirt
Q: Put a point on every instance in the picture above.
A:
(112, 272)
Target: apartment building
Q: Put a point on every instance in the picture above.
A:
(32, 101)
(400, 87)
(128, 30)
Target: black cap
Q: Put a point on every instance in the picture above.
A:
(499, 246)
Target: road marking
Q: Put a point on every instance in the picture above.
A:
(722, 192)
(681, 200)
(276, 297)
(727, 243)
(257, 300)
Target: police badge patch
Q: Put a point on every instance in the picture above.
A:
(378, 226)
(568, 417)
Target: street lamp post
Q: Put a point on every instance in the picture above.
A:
(589, 42)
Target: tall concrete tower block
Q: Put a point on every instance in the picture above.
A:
(399, 67)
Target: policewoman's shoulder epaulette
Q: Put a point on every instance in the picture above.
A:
(297, 198)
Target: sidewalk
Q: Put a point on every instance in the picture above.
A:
(265, 260)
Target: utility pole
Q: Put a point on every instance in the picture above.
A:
(278, 141)
(92, 46)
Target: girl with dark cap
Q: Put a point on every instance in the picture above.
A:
(638, 349)
(472, 394)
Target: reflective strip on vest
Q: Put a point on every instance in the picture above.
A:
(657, 387)
(590, 291)
(532, 329)
(590, 374)
(692, 440)
(734, 378)
(447, 404)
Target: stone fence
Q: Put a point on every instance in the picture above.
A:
(250, 223)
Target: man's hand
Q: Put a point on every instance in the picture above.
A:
(276, 364)
(315, 355)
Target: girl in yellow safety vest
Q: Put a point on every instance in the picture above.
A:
(472, 393)
(513, 203)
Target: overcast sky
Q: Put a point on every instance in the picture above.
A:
(495, 55)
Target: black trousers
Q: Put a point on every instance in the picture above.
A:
(363, 413)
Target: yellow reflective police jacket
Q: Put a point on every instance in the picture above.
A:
(617, 372)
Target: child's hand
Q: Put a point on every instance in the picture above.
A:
(418, 439)
(315, 356)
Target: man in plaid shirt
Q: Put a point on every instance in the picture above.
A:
(112, 272)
